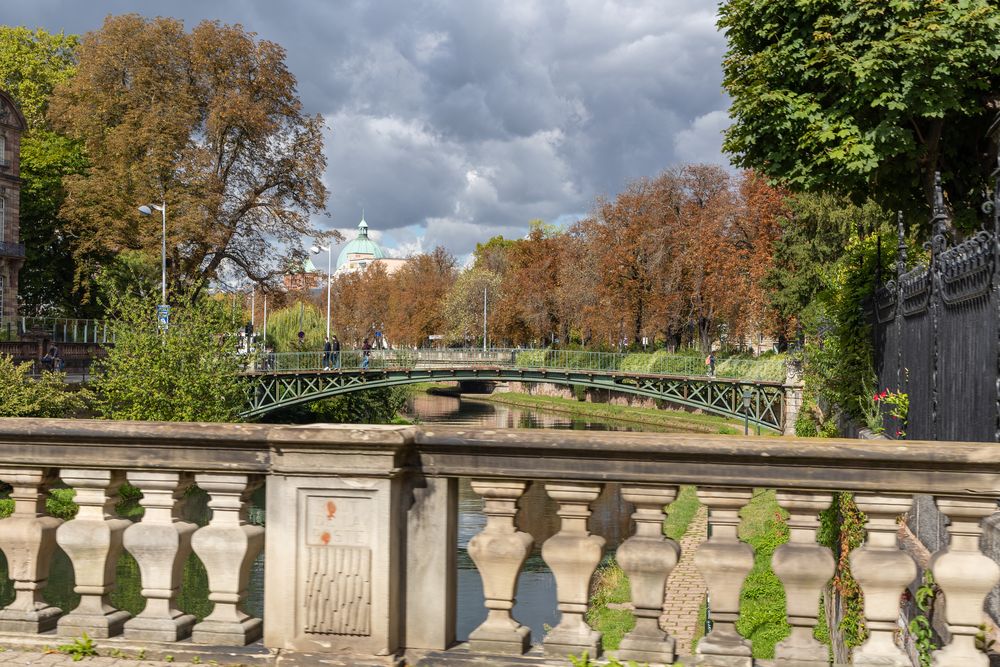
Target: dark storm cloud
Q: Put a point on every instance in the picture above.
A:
(467, 119)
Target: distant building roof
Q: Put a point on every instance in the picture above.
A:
(361, 245)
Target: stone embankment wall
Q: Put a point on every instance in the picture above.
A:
(590, 395)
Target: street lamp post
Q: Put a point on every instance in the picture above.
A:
(147, 209)
(316, 249)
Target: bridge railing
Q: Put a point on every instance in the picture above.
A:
(58, 330)
(636, 363)
(361, 550)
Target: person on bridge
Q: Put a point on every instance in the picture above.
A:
(336, 353)
(710, 362)
(366, 353)
(327, 349)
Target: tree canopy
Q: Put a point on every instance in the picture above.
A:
(207, 121)
(32, 64)
(865, 98)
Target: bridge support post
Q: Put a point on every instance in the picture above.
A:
(335, 520)
(793, 396)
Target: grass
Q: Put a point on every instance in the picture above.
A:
(611, 586)
(671, 419)
(680, 512)
(762, 600)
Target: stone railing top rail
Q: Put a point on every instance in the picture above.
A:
(942, 468)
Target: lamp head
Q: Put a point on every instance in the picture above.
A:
(317, 249)
(145, 210)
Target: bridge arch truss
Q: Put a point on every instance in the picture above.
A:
(270, 391)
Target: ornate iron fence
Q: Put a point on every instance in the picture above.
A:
(936, 333)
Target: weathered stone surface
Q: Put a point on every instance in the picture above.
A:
(804, 568)
(160, 544)
(499, 551)
(647, 558)
(573, 554)
(28, 540)
(883, 572)
(93, 542)
(431, 575)
(724, 562)
(965, 576)
(227, 546)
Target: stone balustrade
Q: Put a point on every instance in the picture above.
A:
(360, 544)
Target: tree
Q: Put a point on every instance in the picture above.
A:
(186, 373)
(867, 99)
(207, 121)
(32, 64)
(45, 396)
(419, 290)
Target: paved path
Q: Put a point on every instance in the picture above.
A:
(685, 588)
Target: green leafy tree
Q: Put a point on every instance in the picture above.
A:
(32, 64)
(870, 98)
(813, 236)
(206, 120)
(45, 396)
(187, 373)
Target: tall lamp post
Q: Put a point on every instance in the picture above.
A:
(317, 249)
(163, 310)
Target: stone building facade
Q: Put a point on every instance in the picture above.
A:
(12, 125)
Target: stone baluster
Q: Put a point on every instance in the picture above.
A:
(724, 563)
(161, 544)
(883, 572)
(573, 555)
(966, 576)
(228, 546)
(804, 568)
(93, 542)
(499, 551)
(28, 540)
(647, 557)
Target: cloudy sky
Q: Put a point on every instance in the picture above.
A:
(453, 121)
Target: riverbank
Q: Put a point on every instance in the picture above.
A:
(671, 419)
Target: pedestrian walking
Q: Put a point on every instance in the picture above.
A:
(366, 353)
(336, 353)
(710, 363)
(327, 350)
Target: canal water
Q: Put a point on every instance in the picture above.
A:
(536, 600)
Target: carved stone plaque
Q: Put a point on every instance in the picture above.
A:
(338, 553)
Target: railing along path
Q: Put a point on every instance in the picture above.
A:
(361, 535)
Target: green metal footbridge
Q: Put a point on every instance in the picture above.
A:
(740, 389)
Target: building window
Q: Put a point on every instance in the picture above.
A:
(1, 296)
(3, 149)
(3, 219)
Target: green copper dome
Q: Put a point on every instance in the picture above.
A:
(361, 245)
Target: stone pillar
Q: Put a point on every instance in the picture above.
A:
(227, 546)
(431, 568)
(647, 557)
(966, 576)
(573, 555)
(499, 551)
(161, 544)
(804, 568)
(28, 540)
(793, 395)
(93, 542)
(883, 572)
(724, 562)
